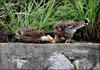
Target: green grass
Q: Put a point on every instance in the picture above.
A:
(35, 15)
(80, 9)
(42, 15)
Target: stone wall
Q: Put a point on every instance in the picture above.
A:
(36, 56)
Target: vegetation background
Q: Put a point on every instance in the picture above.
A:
(42, 14)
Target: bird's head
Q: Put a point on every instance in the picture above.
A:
(82, 23)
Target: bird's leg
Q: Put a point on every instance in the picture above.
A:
(56, 38)
(68, 40)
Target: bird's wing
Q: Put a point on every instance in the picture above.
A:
(70, 24)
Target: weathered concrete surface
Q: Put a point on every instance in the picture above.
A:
(84, 64)
(35, 56)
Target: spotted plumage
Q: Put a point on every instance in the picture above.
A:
(32, 35)
(67, 29)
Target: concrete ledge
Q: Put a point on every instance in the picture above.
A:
(37, 54)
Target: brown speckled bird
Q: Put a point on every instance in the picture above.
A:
(32, 35)
(67, 29)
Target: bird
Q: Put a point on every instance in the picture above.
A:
(32, 35)
(67, 28)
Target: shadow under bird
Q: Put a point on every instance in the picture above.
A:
(67, 29)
